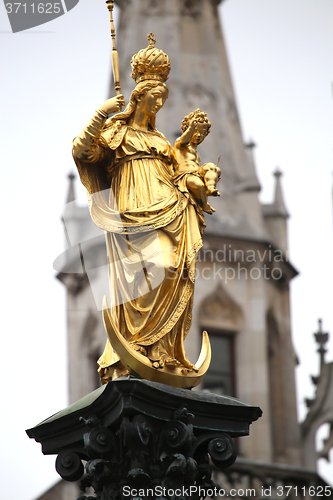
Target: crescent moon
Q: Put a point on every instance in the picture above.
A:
(142, 366)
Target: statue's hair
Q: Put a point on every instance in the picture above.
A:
(140, 90)
(200, 117)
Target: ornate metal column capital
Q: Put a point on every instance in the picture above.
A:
(142, 438)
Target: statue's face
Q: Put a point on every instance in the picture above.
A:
(153, 100)
(199, 133)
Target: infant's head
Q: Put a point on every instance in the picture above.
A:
(203, 125)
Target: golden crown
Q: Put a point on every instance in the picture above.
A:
(150, 63)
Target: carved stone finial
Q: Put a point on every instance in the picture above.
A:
(279, 204)
(71, 192)
(250, 144)
(321, 339)
(278, 173)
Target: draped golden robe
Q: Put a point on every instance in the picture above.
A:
(153, 234)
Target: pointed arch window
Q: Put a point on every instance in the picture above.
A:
(221, 375)
(222, 317)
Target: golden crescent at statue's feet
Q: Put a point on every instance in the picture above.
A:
(142, 366)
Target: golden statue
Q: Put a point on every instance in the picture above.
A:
(151, 209)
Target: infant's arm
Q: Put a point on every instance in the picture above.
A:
(186, 137)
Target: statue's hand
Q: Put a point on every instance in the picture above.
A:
(193, 124)
(189, 132)
(192, 128)
(113, 105)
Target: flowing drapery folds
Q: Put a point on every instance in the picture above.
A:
(153, 235)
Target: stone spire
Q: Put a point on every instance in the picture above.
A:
(71, 190)
(189, 31)
(71, 208)
(252, 183)
(277, 209)
(279, 204)
(276, 215)
(69, 220)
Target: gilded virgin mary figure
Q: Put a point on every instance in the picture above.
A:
(127, 166)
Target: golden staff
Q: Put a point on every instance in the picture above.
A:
(114, 55)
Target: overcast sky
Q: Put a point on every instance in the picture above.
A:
(52, 79)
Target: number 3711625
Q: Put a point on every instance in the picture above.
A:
(33, 8)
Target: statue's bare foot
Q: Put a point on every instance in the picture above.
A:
(140, 349)
(187, 365)
(165, 361)
(171, 362)
(185, 371)
(208, 208)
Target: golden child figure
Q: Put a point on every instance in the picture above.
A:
(200, 181)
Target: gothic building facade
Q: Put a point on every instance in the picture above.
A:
(242, 295)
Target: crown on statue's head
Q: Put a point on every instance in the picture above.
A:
(150, 63)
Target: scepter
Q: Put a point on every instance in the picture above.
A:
(114, 54)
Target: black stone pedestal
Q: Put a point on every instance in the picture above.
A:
(142, 439)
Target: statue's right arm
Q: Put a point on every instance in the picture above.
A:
(88, 146)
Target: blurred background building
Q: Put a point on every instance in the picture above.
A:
(243, 273)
